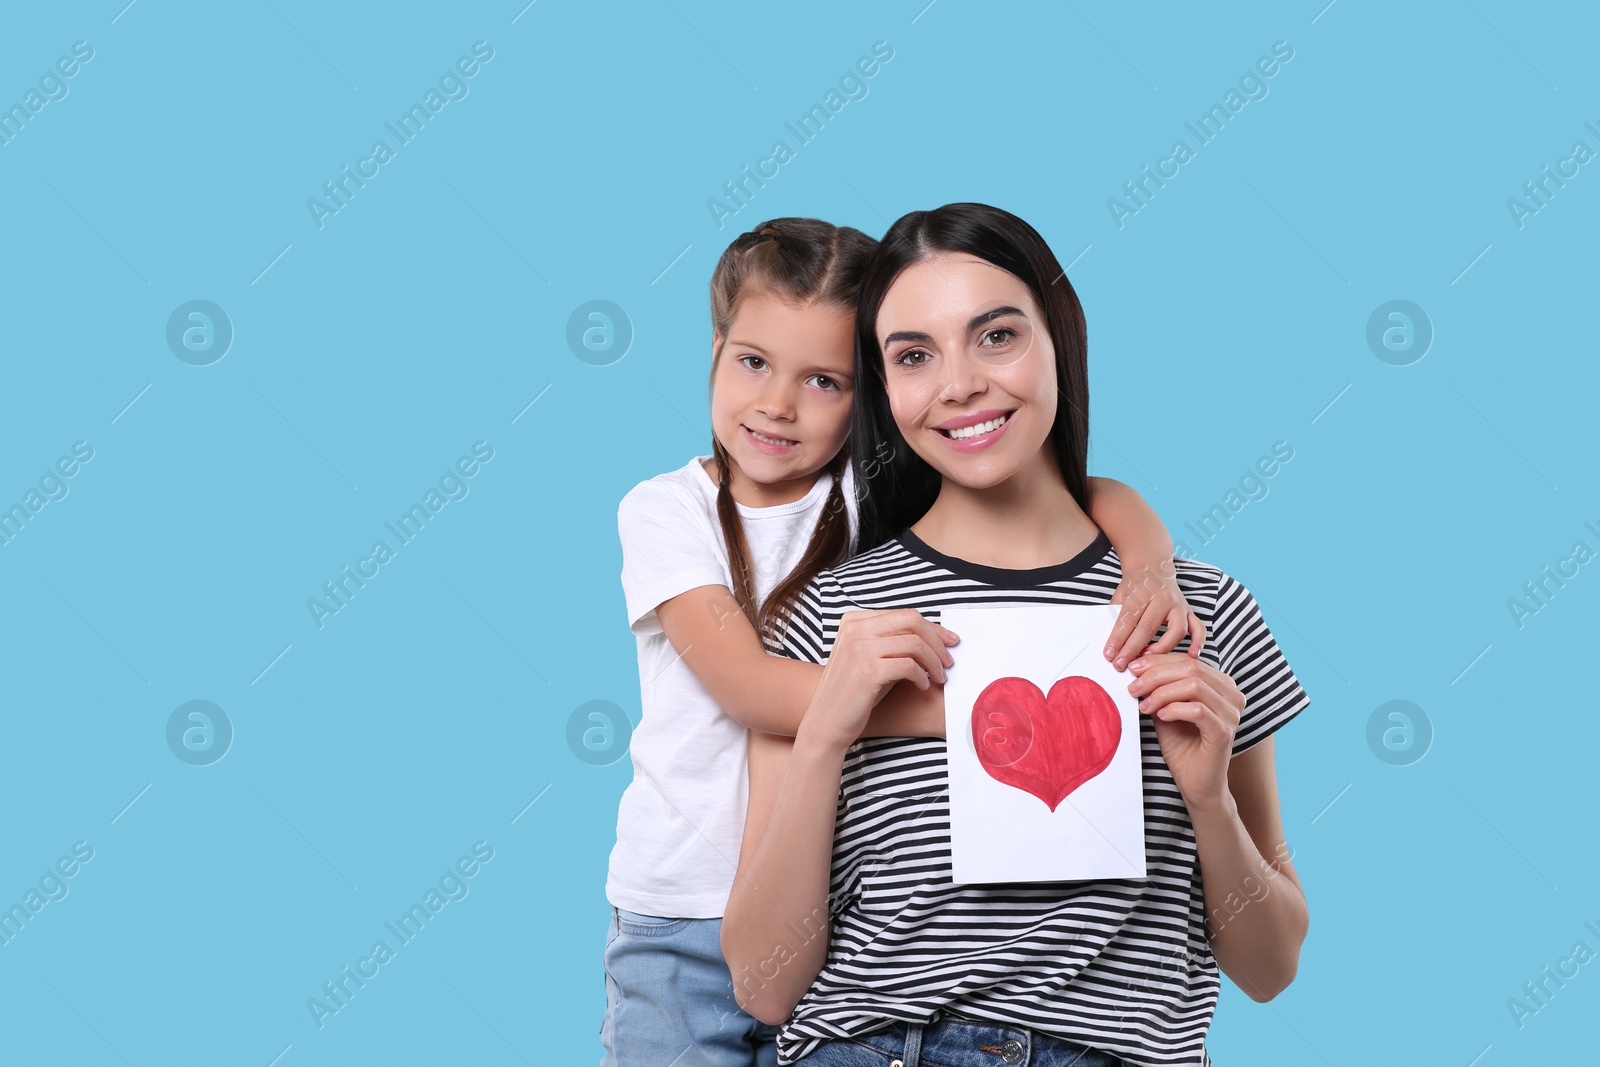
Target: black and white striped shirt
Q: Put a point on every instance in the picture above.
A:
(1122, 965)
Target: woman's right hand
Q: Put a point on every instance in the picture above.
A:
(871, 652)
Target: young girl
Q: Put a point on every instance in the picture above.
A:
(843, 922)
(712, 552)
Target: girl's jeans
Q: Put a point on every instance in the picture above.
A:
(669, 998)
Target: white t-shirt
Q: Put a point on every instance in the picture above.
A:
(682, 817)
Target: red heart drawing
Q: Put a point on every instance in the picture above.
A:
(1047, 746)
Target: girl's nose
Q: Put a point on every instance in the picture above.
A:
(776, 404)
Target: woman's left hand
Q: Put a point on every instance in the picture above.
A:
(1195, 709)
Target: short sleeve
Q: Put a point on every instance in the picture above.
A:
(1249, 654)
(667, 549)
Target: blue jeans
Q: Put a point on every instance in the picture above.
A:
(951, 1041)
(669, 998)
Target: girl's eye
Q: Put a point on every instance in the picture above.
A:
(824, 382)
(998, 336)
(753, 362)
(911, 357)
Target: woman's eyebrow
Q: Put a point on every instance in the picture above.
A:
(908, 335)
(973, 324)
(989, 316)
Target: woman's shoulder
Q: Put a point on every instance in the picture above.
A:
(1230, 611)
(853, 583)
(866, 568)
(1199, 582)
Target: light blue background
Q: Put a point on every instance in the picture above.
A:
(426, 315)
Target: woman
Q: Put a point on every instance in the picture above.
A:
(843, 923)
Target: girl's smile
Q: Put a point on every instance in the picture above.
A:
(769, 443)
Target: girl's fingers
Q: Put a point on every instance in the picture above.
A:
(1175, 631)
(1127, 619)
(1149, 623)
(1197, 634)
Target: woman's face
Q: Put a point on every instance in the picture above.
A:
(970, 368)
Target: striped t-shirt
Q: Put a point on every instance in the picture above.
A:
(1122, 965)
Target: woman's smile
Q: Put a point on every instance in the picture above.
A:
(974, 432)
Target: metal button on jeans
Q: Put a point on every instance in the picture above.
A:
(1011, 1051)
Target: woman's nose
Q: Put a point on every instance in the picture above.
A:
(962, 378)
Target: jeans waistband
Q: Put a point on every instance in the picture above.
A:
(961, 1041)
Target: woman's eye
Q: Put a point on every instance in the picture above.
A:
(911, 357)
(999, 335)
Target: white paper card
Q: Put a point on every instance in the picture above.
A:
(1041, 736)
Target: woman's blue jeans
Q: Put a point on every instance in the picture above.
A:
(951, 1041)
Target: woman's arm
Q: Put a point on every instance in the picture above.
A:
(1255, 906)
(1149, 592)
(777, 923)
(1256, 911)
(776, 926)
(770, 693)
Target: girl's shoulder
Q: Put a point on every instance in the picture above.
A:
(688, 486)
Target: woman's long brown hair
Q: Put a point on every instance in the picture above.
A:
(798, 260)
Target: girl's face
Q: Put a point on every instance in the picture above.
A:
(780, 394)
(970, 368)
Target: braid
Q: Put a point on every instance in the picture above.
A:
(744, 593)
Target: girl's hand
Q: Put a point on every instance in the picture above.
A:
(872, 651)
(1195, 709)
(1150, 596)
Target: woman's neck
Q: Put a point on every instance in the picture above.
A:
(1028, 521)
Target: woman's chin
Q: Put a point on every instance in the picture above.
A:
(970, 470)
(971, 473)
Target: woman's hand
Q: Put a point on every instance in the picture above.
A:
(1195, 709)
(872, 651)
(1150, 596)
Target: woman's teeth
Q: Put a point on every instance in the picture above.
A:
(976, 428)
(770, 440)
